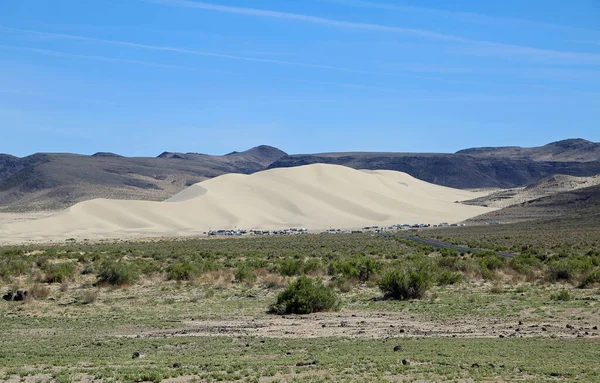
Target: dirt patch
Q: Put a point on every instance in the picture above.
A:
(371, 325)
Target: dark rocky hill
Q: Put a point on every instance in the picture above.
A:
(505, 167)
(571, 150)
(50, 181)
(581, 205)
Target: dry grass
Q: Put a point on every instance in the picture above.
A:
(273, 281)
(221, 279)
(348, 285)
(40, 291)
(64, 287)
(89, 296)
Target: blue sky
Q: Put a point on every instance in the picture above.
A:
(138, 77)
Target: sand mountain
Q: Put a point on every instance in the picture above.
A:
(316, 197)
(55, 181)
(50, 181)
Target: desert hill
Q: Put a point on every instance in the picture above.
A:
(56, 181)
(544, 188)
(51, 181)
(581, 206)
(316, 197)
(473, 168)
(250, 161)
(571, 150)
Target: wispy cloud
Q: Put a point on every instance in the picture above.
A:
(308, 19)
(488, 47)
(180, 67)
(109, 59)
(510, 51)
(520, 72)
(470, 17)
(186, 51)
(168, 66)
(376, 88)
(263, 53)
(394, 70)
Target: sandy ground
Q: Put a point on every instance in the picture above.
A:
(383, 325)
(7, 218)
(315, 196)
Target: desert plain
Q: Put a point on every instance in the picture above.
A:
(134, 291)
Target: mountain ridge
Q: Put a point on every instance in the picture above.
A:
(50, 181)
(573, 149)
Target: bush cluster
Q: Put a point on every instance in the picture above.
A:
(348, 259)
(244, 273)
(60, 272)
(182, 271)
(305, 296)
(118, 273)
(409, 282)
(361, 267)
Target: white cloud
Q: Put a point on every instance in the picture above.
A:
(470, 17)
(483, 47)
(184, 50)
(308, 19)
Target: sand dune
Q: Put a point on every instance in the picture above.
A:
(314, 196)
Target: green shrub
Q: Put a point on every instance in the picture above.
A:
(448, 278)
(88, 269)
(312, 266)
(567, 269)
(118, 273)
(368, 268)
(13, 268)
(243, 273)
(60, 272)
(560, 271)
(590, 279)
(488, 274)
(289, 267)
(454, 263)
(305, 296)
(409, 282)
(525, 263)
(448, 253)
(147, 267)
(448, 262)
(182, 271)
(562, 295)
(492, 262)
(362, 268)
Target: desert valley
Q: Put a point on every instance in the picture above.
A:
(315, 191)
(299, 264)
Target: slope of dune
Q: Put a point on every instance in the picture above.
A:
(314, 196)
